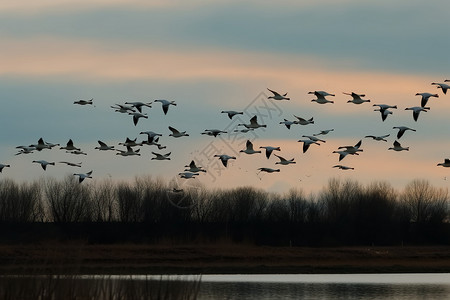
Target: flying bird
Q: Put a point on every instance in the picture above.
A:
(442, 86)
(176, 134)
(253, 124)
(402, 130)
(277, 96)
(82, 176)
(4, 166)
(249, 148)
(384, 113)
(288, 123)
(357, 98)
(188, 175)
(352, 149)
(121, 108)
(70, 163)
(137, 116)
(213, 132)
(321, 97)
(378, 138)
(138, 105)
(324, 132)
(416, 111)
(426, 97)
(44, 163)
(307, 143)
(341, 167)
(398, 147)
(129, 152)
(104, 146)
(165, 105)
(269, 150)
(224, 158)
(445, 164)
(159, 156)
(268, 170)
(302, 121)
(193, 168)
(130, 143)
(70, 147)
(40, 145)
(84, 102)
(232, 113)
(284, 161)
(314, 138)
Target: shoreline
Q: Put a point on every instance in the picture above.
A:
(132, 259)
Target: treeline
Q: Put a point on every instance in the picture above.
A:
(149, 210)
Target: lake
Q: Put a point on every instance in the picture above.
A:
(326, 286)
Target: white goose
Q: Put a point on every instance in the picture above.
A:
(137, 116)
(321, 97)
(378, 138)
(84, 102)
(232, 113)
(269, 150)
(307, 143)
(71, 164)
(352, 149)
(130, 142)
(253, 124)
(268, 170)
(188, 175)
(384, 113)
(40, 145)
(357, 98)
(129, 152)
(70, 147)
(121, 108)
(224, 158)
(402, 130)
(44, 163)
(213, 132)
(445, 164)
(150, 133)
(153, 141)
(426, 97)
(104, 146)
(138, 105)
(249, 148)
(193, 168)
(77, 152)
(302, 121)
(442, 86)
(288, 123)
(284, 161)
(398, 147)
(4, 166)
(344, 153)
(165, 105)
(314, 138)
(416, 111)
(25, 149)
(341, 167)
(176, 134)
(277, 96)
(324, 132)
(159, 156)
(82, 176)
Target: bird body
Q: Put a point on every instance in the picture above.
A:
(307, 143)
(44, 163)
(352, 149)
(268, 170)
(444, 87)
(378, 138)
(284, 161)
(70, 147)
(103, 146)
(232, 113)
(176, 134)
(193, 168)
(426, 97)
(84, 102)
(122, 108)
(302, 121)
(384, 113)
(398, 147)
(416, 111)
(77, 152)
(82, 176)
(357, 98)
(224, 158)
(159, 156)
(402, 130)
(165, 105)
(137, 116)
(323, 132)
(277, 96)
(188, 175)
(213, 132)
(253, 124)
(129, 152)
(138, 105)
(445, 164)
(249, 148)
(313, 138)
(321, 97)
(269, 150)
(40, 145)
(341, 167)
(131, 143)
(70, 163)
(288, 123)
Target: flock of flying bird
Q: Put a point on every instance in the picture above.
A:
(135, 109)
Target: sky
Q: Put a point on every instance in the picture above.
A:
(210, 56)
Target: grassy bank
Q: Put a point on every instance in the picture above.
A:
(77, 258)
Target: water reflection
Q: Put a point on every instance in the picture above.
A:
(356, 286)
